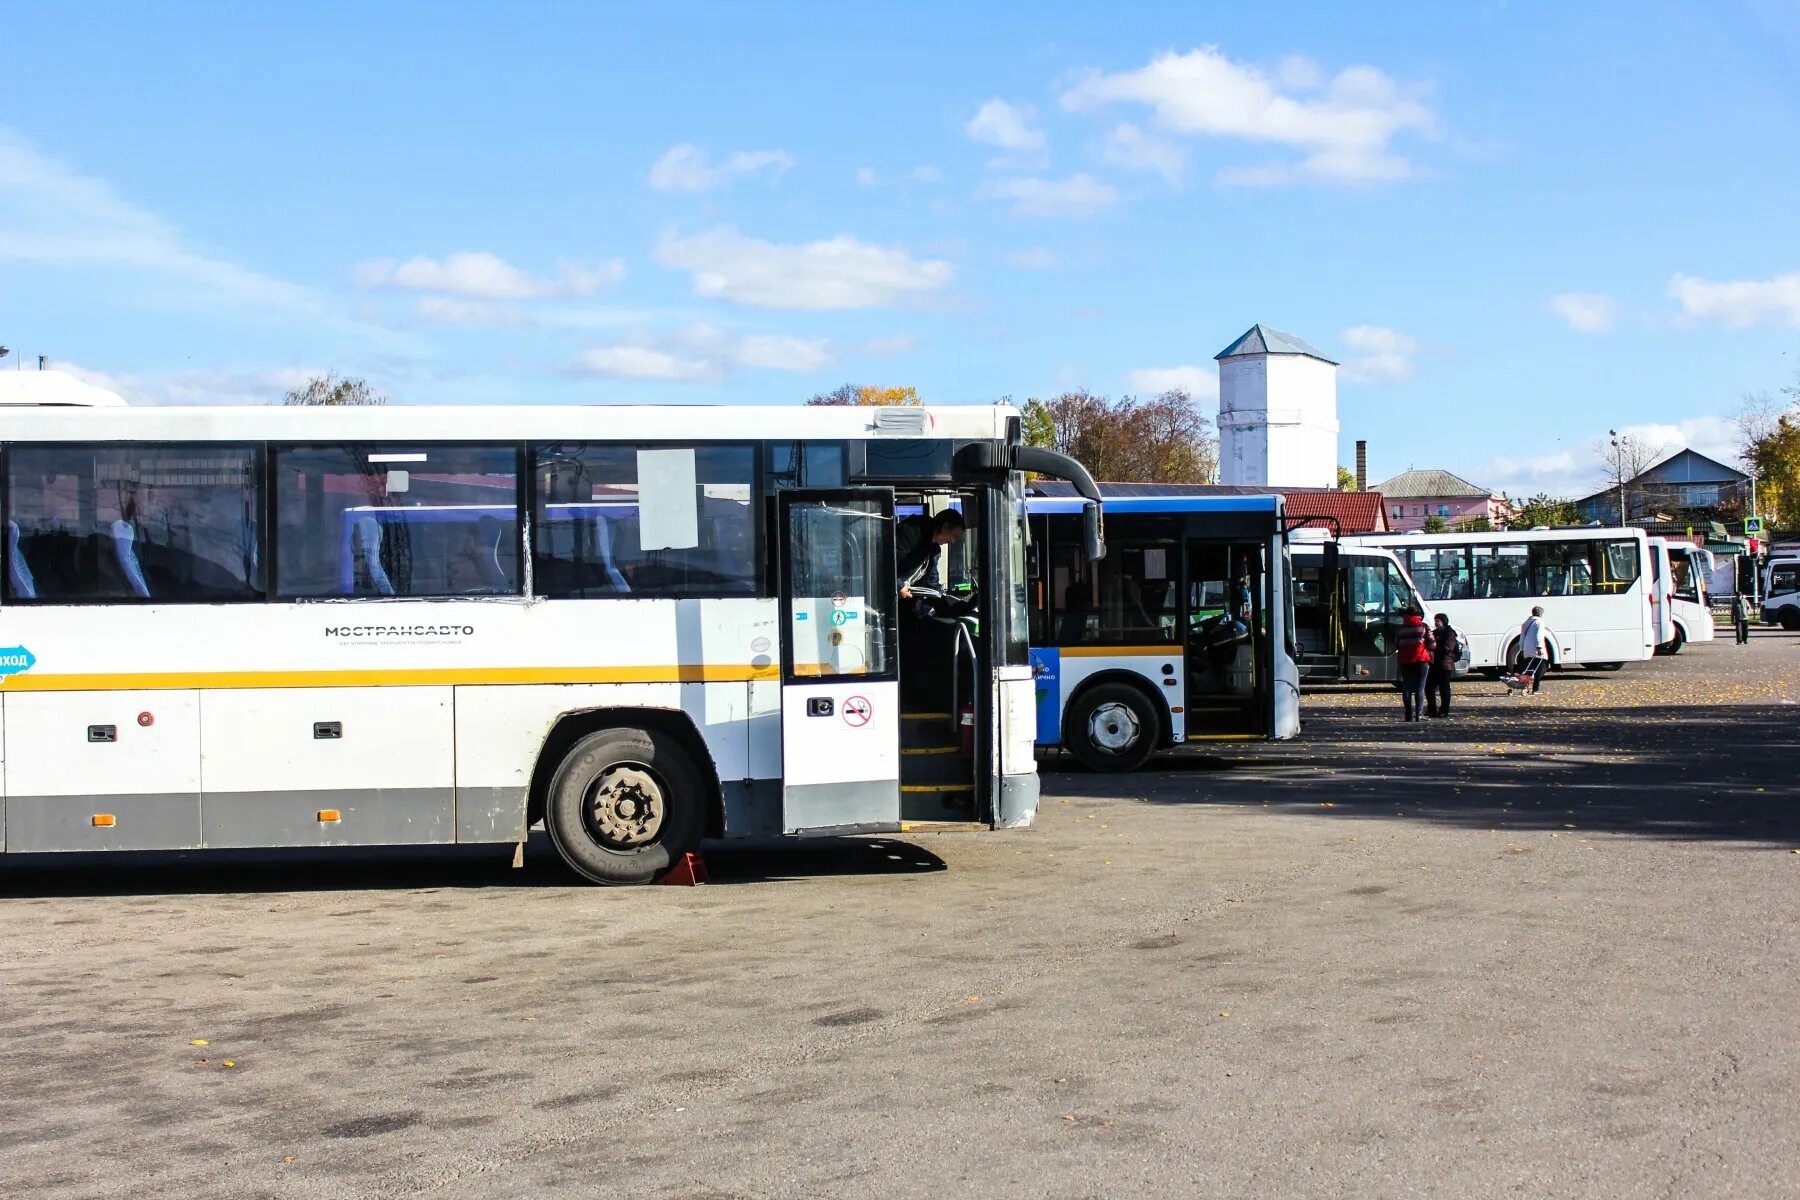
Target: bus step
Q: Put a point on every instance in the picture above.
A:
(919, 788)
(931, 750)
(944, 826)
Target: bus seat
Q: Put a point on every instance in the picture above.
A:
(603, 542)
(368, 538)
(489, 534)
(124, 543)
(18, 571)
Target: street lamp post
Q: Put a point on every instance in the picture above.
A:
(1619, 470)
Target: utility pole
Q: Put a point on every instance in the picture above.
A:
(1619, 472)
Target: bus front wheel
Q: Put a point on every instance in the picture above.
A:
(1112, 727)
(624, 806)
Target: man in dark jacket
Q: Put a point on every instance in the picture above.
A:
(916, 542)
(1414, 647)
(1448, 648)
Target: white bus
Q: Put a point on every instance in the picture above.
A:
(1593, 585)
(398, 625)
(1781, 593)
(1678, 595)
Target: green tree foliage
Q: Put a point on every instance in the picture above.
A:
(1543, 509)
(1474, 525)
(1435, 524)
(1347, 480)
(334, 390)
(1163, 439)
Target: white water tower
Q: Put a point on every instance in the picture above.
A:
(1278, 423)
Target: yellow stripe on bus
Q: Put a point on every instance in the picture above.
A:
(165, 680)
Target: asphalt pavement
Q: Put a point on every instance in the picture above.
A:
(1547, 947)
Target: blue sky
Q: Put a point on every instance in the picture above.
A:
(1516, 224)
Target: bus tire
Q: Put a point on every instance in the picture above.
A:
(1790, 619)
(1112, 727)
(624, 805)
(1676, 643)
(1607, 666)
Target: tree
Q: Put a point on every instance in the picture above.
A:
(334, 390)
(1474, 525)
(1435, 524)
(1347, 480)
(1129, 440)
(1543, 509)
(1769, 443)
(1625, 458)
(862, 395)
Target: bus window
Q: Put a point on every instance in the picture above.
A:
(164, 523)
(396, 521)
(1502, 572)
(1127, 597)
(1442, 572)
(1622, 566)
(588, 541)
(1562, 568)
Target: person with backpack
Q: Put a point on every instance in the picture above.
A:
(1443, 665)
(1413, 648)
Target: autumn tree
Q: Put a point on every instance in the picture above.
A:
(334, 390)
(863, 395)
(1769, 443)
(1347, 480)
(1163, 439)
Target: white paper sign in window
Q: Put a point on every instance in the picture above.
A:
(668, 500)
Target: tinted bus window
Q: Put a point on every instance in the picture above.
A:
(161, 523)
(396, 521)
(1622, 565)
(623, 521)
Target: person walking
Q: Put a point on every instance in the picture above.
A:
(1534, 647)
(1740, 617)
(1413, 648)
(1448, 648)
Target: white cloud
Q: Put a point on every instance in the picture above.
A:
(837, 273)
(1741, 302)
(1344, 132)
(1385, 354)
(1586, 312)
(1033, 258)
(1079, 195)
(701, 354)
(197, 387)
(444, 310)
(867, 177)
(1008, 126)
(479, 275)
(685, 168)
(889, 345)
(1129, 146)
(1202, 383)
(51, 214)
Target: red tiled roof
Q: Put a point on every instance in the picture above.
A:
(1356, 512)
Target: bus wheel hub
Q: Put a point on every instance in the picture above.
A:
(626, 809)
(1113, 727)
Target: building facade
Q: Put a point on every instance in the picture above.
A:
(1678, 490)
(1278, 425)
(1413, 498)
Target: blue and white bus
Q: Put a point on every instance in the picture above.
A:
(1184, 632)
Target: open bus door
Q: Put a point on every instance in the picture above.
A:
(840, 682)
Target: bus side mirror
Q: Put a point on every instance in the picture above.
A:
(1093, 534)
(1328, 572)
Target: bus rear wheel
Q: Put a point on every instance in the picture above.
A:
(1790, 619)
(624, 806)
(1112, 727)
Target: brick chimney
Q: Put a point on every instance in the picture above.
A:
(1362, 466)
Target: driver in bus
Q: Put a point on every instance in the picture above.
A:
(916, 544)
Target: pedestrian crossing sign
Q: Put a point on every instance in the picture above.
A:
(1752, 526)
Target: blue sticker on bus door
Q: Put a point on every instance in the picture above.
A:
(14, 659)
(1046, 672)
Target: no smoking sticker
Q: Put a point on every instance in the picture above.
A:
(857, 711)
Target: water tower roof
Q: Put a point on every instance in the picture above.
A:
(1260, 339)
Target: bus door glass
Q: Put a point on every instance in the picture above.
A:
(1227, 674)
(1375, 598)
(840, 685)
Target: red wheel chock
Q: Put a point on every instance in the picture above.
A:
(689, 870)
